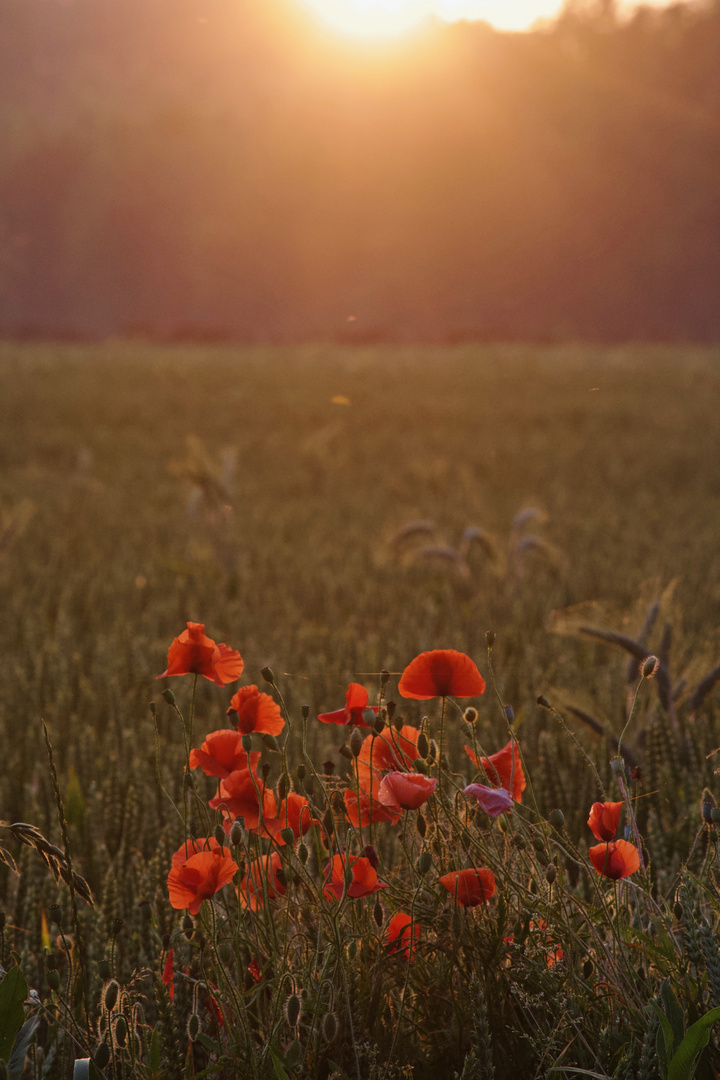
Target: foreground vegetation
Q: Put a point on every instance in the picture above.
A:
(332, 514)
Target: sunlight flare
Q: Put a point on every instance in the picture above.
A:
(389, 18)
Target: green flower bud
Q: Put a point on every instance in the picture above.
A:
(267, 675)
(424, 862)
(53, 979)
(246, 743)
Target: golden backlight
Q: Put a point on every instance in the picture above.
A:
(389, 18)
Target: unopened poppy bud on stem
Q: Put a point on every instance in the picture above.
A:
(543, 702)
(267, 674)
(649, 667)
(509, 714)
(168, 696)
(356, 741)
(422, 745)
(424, 862)
(556, 819)
(237, 832)
(305, 711)
(247, 743)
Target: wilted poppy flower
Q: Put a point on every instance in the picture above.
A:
(364, 877)
(604, 819)
(199, 878)
(494, 801)
(499, 769)
(238, 797)
(356, 702)
(256, 712)
(615, 860)
(360, 817)
(293, 813)
(391, 751)
(405, 791)
(194, 653)
(220, 754)
(261, 874)
(473, 886)
(399, 933)
(441, 673)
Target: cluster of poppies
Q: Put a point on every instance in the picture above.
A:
(389, 778)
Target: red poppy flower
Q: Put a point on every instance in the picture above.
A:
(390, 751)
(220, 754)
(364, 878)
(199, 878)
(256, 712)
(360, 817)
(261, 874)
(494, 801)
(194, 653)
(293, 813)
(356, 702)
(238, 797)
(441, 673)
(499, 769)
(399, 933)
(604, 819)
(192, 847)
(405, 791)
(473, 886)
(615, 860)
(167, 975)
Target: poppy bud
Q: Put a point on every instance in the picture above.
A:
(53, 980)
(328, 768)
(188, 927)
(556, 819)
(270, 742)
(292, 1010)
(329, 1027)
(398, 723)
(649, 667)
(346, 752)
(193, 1027)
(390, 708)
(678, 910)
(424, 862)
(420, 766)
(220, 835)
(265, 770)
(116, 927)
(538, 844)
(283, 785)
(168, 696)
(102, 1056)
(237, 831)
(111, 995)
(543, 702)
(378, 913)
(352, 950)
(519, 842)
(470, 716)
(103, 969)
(550, 874)
(246, 743)
(420, 824)
(490, 638)
(305, 711)
(588, 968)
(121, 1030)
(377, 722)
(356, 741)
(302, 854)
(329, 822)
(301, 771)
(422, 745)
(267, 675)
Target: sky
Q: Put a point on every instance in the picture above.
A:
(388, 18)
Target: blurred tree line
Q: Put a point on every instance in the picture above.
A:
(226, 169)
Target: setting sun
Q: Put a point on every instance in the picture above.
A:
(388, 18)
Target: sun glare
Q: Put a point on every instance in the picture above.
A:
(390, 18)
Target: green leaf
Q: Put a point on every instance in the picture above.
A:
(13, 991)
(155, 1058)
(210, 1044)
(664, 1040)
(278, 1066)
(673, 1012)
(696, 1038)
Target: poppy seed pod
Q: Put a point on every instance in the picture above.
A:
(328, 767)
(56, 914)
(384, 677)
(305, 711)
(267, 675)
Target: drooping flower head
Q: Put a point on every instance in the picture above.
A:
(405, 791)
(359, 814)
(356, 702)
(604, 819)
(255, 712)
(199, 878)
(399, 934)
(195, 653)
(260, 880)
(441, 673)
(220, 754)
(364, 877)
(501, 767)
(615, 860)
(473, 886)
(494, 801)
